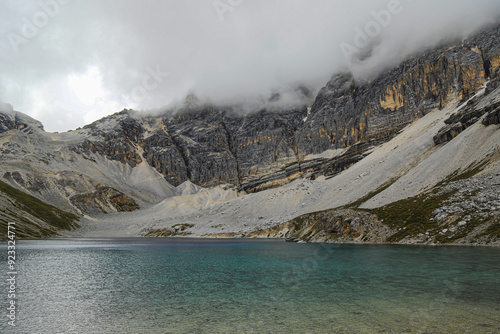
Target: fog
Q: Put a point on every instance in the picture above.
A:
(70, 62)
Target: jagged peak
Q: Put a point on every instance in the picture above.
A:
(110, 122)
(11, 119)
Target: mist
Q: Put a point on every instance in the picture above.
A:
(70, 62)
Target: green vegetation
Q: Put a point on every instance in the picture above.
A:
(24, 227)
(412, 216)
(469, 172)
(372, 194)
(55, 218)
(493, 230)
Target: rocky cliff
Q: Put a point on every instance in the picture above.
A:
(210, 145)
(128, 159)
(11, 120)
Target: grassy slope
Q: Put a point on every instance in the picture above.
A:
(412, 216)
(33, 218)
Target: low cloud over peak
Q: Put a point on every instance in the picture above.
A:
(69, 62)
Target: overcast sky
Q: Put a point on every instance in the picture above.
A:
(70, 62)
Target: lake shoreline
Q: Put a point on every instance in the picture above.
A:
(225, 237)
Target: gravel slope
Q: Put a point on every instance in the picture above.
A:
(410, 161)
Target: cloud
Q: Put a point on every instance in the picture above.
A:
(68, 62)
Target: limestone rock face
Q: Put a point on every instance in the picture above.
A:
(13, 120)
(132, 158)
(117, 135)
(212, 145)
(487, 106)
(204, 145)
(161, 152)
(493, 117)
(207, 146)
(346, 112)
(103, 200)
(333, 226)
(448, 132)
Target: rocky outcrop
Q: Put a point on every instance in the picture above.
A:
(493, 118)
(117, 138)
(13, 120)
(464, 209)
(448, 132)
(487, 106)
(310, 168)
(178, 230)
(264, 139)
(332, 226)
(205, 148)
(103, 200)
(211, 145)
(34, 185)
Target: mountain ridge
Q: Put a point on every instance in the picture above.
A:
(144, 158)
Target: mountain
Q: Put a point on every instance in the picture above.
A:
(391, 154)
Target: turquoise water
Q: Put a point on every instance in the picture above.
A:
(251, 286)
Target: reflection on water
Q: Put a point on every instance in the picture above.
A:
(247, 286)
